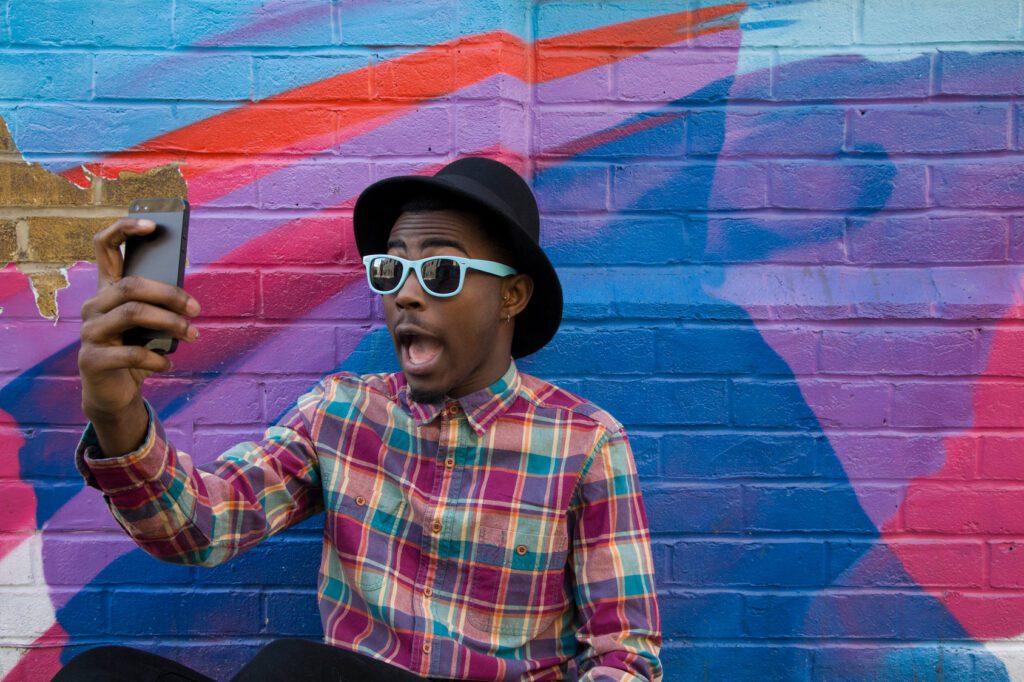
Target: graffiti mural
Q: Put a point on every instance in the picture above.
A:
(791, 236)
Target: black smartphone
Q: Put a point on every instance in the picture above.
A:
(159, 255)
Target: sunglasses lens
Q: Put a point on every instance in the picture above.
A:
(385, 273)
(441, 275)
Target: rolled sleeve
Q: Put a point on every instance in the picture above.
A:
(618, 624)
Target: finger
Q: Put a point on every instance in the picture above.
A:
(106, 358)
(135, 288)
(107, 243)
(109, 327)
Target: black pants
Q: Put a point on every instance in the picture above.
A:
(284, 659)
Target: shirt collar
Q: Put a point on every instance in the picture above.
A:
(481, 407)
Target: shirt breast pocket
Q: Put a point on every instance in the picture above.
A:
(518, 582)
(364, 537)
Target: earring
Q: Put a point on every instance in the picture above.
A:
(508, 318)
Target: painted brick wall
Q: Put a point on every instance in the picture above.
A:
(791, 236)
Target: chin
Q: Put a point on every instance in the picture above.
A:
(425, 394)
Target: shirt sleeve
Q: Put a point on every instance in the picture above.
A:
(205, 515)
(618, 623)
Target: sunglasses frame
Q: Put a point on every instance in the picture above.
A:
(488, 266)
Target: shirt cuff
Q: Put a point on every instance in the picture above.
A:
(129, 471)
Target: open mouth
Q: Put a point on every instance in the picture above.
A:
(420, 352)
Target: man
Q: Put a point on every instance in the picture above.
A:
(480, 523)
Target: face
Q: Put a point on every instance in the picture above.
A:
(451, 346)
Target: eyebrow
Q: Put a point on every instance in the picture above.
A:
(433, 242)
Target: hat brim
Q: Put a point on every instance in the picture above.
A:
(379, 206)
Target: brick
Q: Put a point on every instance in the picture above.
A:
(224, 293)
(280, 395)
(728, 661)
(902, 351)
(845, 185)
(567, 133)
(767, 238)
(301, 23)
(808, 508)
(131, 567)
(62, 240)
(286, 295)
(695, 509)
(803, 77)
(1002, 457)
(645, 454)
(584, 240)
(480, 126)
(589, 351)
(184, 614)
(592, 83)
(647, 186)
(963, 563)
(245, 407)
(135, 23)
(738, 455)
(906, 662)
(425, 131)
(1006, 566)
(953, 23)
(985, 74)
(79, 128)
(716, 350)
(131, 75)
(681, 74)
(993, 184)
(277, 561)
(278, 75)
(8, 242)
(663, 401)
(31, 185)
(313, 184)
(928, 129)
(572, 187)
(974, 292)
(749, 564)
(424, 23)
(805, 406)
(930, 404)
(885, 240)
(303, 241)
(434, 76)
(1019, 125)
(962, 510)
(716, 614)
(904, 456)
(1017, 239)
(293, 614)
(160, 181)
(827, 616)
(790, 131)
(30, 75)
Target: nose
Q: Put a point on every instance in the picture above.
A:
(411, 295)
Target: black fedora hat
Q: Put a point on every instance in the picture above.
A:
(499, 193)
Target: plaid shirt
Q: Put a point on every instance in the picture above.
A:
(500, 536)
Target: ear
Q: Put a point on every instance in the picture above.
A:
(515, 294)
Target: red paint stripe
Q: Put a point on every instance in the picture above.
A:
(17, 498)
(42, 661)
(970, 500)
(277, 124)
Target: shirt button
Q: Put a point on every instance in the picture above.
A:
(436, 526)
(521, 550)
(426, 647)
(427, 592)
(360, 500)
(449, 462)
(452, 409)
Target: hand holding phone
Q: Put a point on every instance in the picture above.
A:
(159, 255)
(112, 373)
